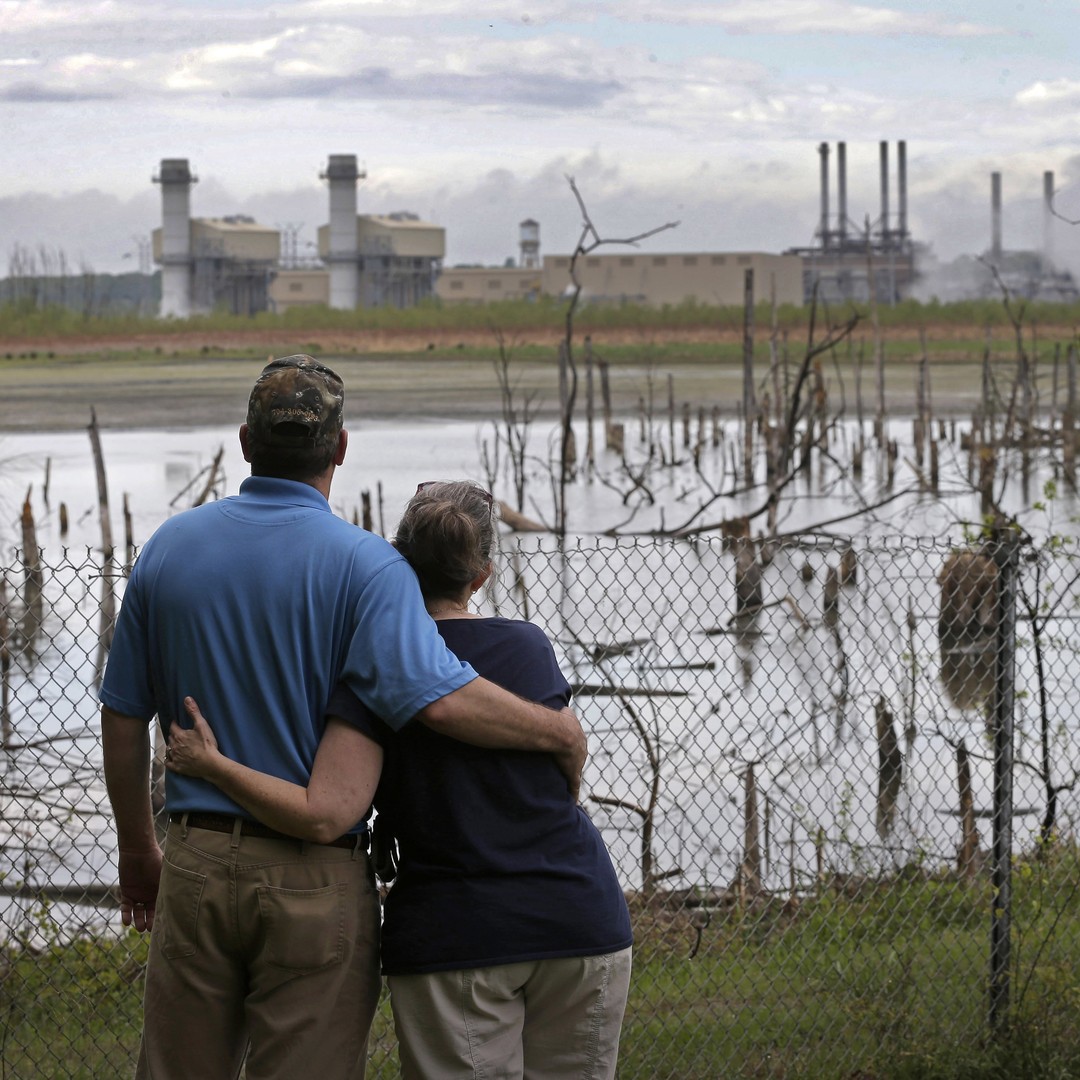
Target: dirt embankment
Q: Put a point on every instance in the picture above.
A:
(196, 378)
(346, 341)
(336, 342)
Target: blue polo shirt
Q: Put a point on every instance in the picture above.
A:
(257, 605)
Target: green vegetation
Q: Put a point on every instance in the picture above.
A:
(881, 980)
(71, 1010)
(28, 320)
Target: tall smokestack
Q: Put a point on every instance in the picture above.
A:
(343, 254)
(823, 150)
(901, 189)
(1048, 219)
(884, 149)
(175, 178)
(841, 191)
(995, 216)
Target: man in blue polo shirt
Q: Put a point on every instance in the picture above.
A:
(257, 606)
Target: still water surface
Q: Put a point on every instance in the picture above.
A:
(765, 695)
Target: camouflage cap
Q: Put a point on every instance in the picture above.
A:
(296, 401)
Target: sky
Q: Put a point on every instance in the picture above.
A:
(473, 115)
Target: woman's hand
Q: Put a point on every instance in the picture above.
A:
(193, 751)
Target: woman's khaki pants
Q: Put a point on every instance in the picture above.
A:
(539, 1020)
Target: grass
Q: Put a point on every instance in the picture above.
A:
(885, 981)
(968, 319)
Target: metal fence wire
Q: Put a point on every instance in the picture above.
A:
(837, 780)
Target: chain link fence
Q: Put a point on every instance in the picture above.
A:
(837, 779)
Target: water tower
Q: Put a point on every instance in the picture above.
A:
(530, 244)
(175, 179)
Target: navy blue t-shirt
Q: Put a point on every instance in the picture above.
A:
(498, 863)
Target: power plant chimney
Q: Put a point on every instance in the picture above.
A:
(1048, 220)
(901, 189)
(175, 179)
(995, 216)
(823, 150)
(343, 255)
(841, 192)
(884, 150)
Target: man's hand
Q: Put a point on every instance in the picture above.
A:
(483, 714)
(140, 872)
(126, 757)
(571, 762)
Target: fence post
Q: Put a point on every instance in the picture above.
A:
(1006, 550)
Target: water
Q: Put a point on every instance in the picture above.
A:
(778, 691)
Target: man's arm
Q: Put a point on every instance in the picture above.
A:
(126, 747)
(484, 714)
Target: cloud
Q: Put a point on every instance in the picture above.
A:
(1055, 92)
(325, 60)
(91, 228)
(789, 17)
(30, 92)
(504, 89)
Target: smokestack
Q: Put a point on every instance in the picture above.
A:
(175, 178)
(995, 216)
(841, 191)
(884, 148)
(1048, 220)
(343, 250)
(901, 189)
(823, 150)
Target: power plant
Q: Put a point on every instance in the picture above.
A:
(859, 261)
(235, 264)
(370, 260)
(1031, 275)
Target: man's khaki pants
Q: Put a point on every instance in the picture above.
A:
(262, 941)
(541, 1020)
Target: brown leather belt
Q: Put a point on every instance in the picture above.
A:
(224, 823)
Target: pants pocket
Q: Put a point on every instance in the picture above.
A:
(305, 928)
(177, 918)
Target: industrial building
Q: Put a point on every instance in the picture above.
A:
(1031, 275)
(853, 261)
(627, 276)
(652, 279)
(367, 260)
(234, 264)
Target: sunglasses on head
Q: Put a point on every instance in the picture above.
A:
(482, 492)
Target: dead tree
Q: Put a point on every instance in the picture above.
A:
(890, 768)
(967, 857)
(108, 596)
(34, 586)
(5, 668)
(518, 410)
(589, 240)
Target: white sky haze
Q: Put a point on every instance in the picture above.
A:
(471, 115)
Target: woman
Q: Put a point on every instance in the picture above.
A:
(506, 937)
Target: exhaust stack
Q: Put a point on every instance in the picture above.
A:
(901, 189)
(884, 149)
(343, 253)
(823, 150)
(175, 178)
(1048, 220)
(995, 216)
(841, 192)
